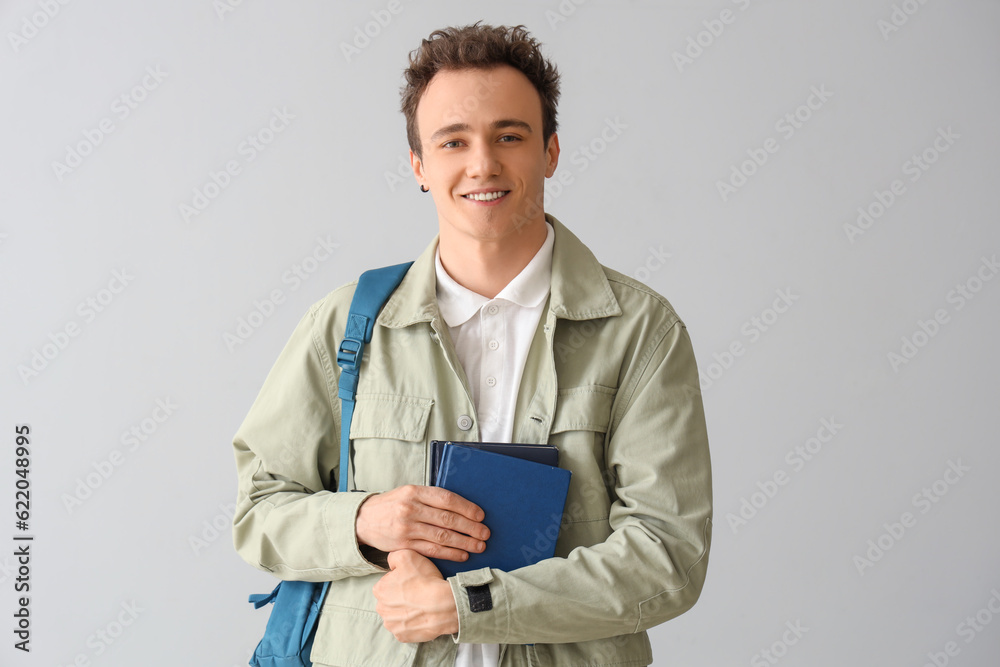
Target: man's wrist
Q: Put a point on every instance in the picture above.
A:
(450, 625)
(358, 522)
(372, 556)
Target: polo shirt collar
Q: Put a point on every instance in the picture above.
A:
(527, 289)
(579, 286)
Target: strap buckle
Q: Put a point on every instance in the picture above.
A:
(349, 352)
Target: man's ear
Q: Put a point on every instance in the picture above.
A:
(552, 153)
(418, 167)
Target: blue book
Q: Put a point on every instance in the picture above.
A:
(546, 454)
(523, 502)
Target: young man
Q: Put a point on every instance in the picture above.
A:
(506, 328)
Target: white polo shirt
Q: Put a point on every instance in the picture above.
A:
(491, 338)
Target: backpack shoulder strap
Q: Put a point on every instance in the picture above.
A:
(373, 290)
(290, 630)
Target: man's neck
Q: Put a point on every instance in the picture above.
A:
(487, 266)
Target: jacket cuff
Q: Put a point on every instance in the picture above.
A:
(340, 519)
(483, 612)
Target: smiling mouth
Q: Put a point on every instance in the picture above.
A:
(487, 196)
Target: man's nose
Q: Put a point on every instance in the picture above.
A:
(483, 161)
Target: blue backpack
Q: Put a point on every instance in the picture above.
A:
(291, 628)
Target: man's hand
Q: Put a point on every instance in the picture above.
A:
(429, 520)
(414, 600)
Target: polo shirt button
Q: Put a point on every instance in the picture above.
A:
(491, 381)
(493, 309)
(465, 422)
(494, 344)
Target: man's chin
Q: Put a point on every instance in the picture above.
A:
(483, 227)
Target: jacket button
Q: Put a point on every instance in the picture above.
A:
(465, 422)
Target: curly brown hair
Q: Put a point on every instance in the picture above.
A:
(479, 47)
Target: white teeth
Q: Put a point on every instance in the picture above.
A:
(486, 196)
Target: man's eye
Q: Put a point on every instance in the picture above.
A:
(448, 144)
(512, 138)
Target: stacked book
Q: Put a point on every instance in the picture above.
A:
(519, 487)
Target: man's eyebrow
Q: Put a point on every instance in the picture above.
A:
(501, 124)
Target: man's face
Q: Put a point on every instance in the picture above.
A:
(481, 134)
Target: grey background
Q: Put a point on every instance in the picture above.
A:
(145, 534)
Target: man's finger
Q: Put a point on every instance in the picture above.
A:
(447, 500)
(448, 538)
(435, 550)
(459, 524)
(398, 557)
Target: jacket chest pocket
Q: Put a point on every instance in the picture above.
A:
(388, 434)
(579, 430)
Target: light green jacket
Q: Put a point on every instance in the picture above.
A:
(610, 379)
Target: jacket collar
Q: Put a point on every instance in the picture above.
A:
(579, 288)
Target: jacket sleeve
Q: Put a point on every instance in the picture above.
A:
(287, 456)
(652, 566)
